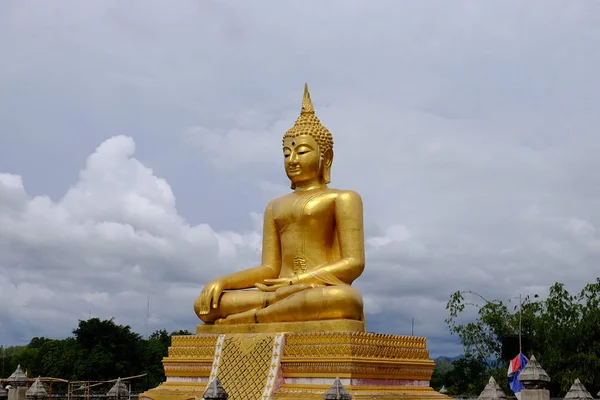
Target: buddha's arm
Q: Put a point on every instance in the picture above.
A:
(349, 225)
(271, 258)
(270, 267)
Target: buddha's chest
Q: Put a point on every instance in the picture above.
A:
(304, 212)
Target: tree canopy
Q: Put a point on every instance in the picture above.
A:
(562, 331)
(99, 350)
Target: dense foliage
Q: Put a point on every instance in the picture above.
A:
(99, 350)
(465, 376)
(563, 332)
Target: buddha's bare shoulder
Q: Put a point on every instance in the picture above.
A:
(348, 198)
(346, 195)
(280, 200)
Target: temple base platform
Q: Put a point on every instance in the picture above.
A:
(334, 325)
(297, 365)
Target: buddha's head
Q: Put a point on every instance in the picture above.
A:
(308, 147)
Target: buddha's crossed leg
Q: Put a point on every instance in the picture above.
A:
(303, 302)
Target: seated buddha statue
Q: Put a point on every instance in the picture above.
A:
(312, 249)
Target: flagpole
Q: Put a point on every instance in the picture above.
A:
(520, 324)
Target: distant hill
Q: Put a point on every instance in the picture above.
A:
(447, 358)
(444, 363)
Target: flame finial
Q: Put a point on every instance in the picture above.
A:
(307, 123)
(307, 105)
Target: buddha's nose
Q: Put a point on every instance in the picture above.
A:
(293, 158)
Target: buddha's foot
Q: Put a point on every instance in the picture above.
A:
(246, 317)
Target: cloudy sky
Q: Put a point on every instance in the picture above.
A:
(140, 142)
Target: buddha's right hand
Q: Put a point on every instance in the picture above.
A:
(210, 295)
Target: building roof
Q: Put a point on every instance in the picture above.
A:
(18, 378)
(37, 390)
(118, 390)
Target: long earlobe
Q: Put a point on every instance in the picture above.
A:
(326, 171)
(326, 176)
(329, 158)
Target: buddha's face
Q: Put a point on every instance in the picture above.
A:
(302, 159)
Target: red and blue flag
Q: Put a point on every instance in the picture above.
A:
(515, 367)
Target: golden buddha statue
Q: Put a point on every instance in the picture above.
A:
(313, 245)
(282, 329)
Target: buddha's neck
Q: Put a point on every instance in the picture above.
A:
(310, 185)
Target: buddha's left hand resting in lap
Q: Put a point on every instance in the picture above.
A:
(313, 245)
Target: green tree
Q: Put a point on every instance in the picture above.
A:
(156, 348)
(100, 350)
(23, 355)
(108, 349)
(3, 362)
(59, 359)
(467, 377)
(563, 332)
(38, 342)
(181, 332)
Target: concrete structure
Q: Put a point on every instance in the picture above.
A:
(118, 391)
(18, 385)
(215, 391)
(18, 378)
(492, 391)
(37, 391)
(535, 380)
(337, 391)
(578, 392)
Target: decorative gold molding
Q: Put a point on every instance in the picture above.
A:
(358, 338)
(246, 362)
(202, 370)
(295, 392)
(251, 366)
(191, 352)
(334, 325)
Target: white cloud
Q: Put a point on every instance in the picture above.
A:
(114, 237)
(469, 128)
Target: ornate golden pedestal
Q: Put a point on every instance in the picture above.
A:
(297, 365)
